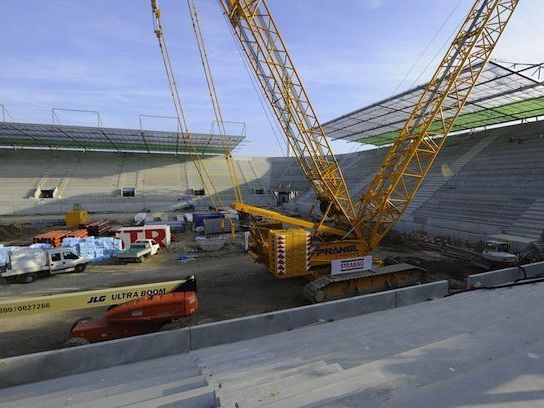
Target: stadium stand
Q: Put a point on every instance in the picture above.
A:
(495, 187)
(482, 183)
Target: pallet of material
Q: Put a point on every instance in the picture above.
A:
(98, 228)
(53, 238)
(79, 233)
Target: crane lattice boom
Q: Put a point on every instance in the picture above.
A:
(419, 142)
(263, 45)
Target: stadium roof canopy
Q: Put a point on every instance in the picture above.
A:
(506, 92)
(61, 137)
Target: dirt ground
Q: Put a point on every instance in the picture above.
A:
(230, 284)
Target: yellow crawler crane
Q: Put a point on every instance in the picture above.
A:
(350, 230)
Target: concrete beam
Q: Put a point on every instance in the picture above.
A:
(416, 294)
(59, 363)
(507, 275)
(269, 323)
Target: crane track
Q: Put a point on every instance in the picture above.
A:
(316, 290)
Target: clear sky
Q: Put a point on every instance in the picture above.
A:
(103, 56)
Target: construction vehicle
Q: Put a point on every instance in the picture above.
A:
(350, 229)
(497, 253)
(139, 316)
(139, 251)
(26, 264)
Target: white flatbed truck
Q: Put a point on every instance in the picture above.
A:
(26, 264)
(139, 251)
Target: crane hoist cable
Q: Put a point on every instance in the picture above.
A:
(214, 99)
(200, 166)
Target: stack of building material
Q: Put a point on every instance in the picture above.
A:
(3, 254)
(96, 249)
(220, 225)
(175, 221)
(53, 238)
(198, 218)
(98, 228)
(40, 246)
(80, 233)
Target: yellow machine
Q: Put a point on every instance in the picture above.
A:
(76, 217)
(350, 229)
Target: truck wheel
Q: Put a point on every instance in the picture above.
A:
(12, 279)
(76, 341)
(79, 268)
(140, 259)
(29, 278)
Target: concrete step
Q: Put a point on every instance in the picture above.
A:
(123, 395)
(189, 391)
(273, 386)
(180, 366)
(412, 369)
(298, 395)
(376, 340)
(238, 372)
(529, 225)
(335, 385)
(256, 378)
(202, 359)
(532, 216)
(242, 362)
(351, 353)
(494, 382)
(203, 397)
(255, 373)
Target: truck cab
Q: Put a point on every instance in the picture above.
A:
(26, 264)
